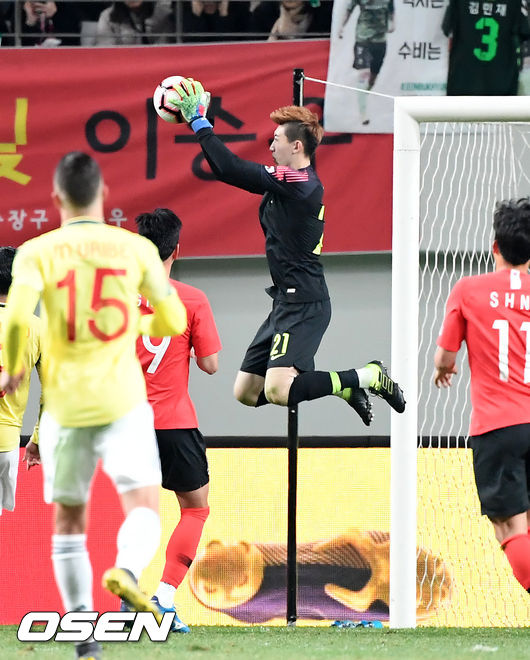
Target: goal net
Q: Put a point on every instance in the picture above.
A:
(449, 172)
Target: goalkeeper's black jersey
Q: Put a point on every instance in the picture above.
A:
(486, 36)
(291, 216)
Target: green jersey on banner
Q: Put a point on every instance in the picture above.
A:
(484, 57)
(372, 24)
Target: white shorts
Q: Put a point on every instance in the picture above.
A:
(8, 478)
(127, 448)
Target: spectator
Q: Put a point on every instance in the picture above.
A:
(294, 18)
(6, 21)
(45, 24)
(215, 21)
(132, 23)
(262, 17)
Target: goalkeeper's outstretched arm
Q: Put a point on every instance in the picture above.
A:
(226, 166)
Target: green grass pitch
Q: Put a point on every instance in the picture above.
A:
(298, 643)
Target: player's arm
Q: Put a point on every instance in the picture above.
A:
(445, 367)
(391, 23)
(447, 21)
(32, 453)
(170, 316)
(452, 335)
(225, 165)
(205, 339)
(349, 11)
(209, 364)
(524, 24)
(246, 174)
(21, 302)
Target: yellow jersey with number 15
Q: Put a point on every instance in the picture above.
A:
(88, 275)
(13, 406)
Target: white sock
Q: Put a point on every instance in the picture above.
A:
(166, 594)
(138, 539)
(73, 571)
(362, 98)
(366, 376)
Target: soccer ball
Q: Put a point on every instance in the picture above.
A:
(164, 92)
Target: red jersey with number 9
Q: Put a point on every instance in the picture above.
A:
(491, 313)
(165, 362)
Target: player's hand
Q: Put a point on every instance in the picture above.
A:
(32, 454)
(194, 101)
(9, 384)
(444, 376)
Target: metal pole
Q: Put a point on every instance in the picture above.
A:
(298, 87)
(292, 563)
(292, 437)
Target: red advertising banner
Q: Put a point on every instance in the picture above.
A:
(99, 101)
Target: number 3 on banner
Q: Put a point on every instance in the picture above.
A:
(158, 351)
(96, 304)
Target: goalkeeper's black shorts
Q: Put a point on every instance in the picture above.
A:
(289, 337)
(501, 461)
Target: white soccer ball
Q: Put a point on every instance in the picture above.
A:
(164, 92)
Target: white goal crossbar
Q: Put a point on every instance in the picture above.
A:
(409, 112)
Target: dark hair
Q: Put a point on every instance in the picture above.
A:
(300, 124)
(161, 227)
(78, 177)
(511, 224)
(7, 254)
(121, 13)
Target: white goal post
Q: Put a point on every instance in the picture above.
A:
(409, 113)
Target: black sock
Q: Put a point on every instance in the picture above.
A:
(310, 385)
(262, 401)
(349, 379)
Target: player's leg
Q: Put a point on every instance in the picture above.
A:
(130, 457)
(291, 378)
(250, 379)
(248, 389)
(501, 461)
(361, 62)
(512, 534)
(68, 463)
(8, 470)
(185, 472)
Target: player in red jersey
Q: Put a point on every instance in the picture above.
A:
(165, 363)
(491, 313)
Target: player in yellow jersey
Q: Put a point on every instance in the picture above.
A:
(88, 275)
(12, 406)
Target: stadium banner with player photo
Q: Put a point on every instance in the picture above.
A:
(239, 575)
(392, 47)
(99, 100)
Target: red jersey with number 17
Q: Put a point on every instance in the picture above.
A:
(491, 313)
(165, 362)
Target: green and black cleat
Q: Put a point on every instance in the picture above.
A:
(383, 386)
(359, 401)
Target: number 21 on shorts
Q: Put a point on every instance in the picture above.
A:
(279, 345)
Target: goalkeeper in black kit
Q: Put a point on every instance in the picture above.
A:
(278, 366)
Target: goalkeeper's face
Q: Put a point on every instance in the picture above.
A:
(281, 148)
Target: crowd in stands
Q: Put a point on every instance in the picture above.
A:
(134, 22)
